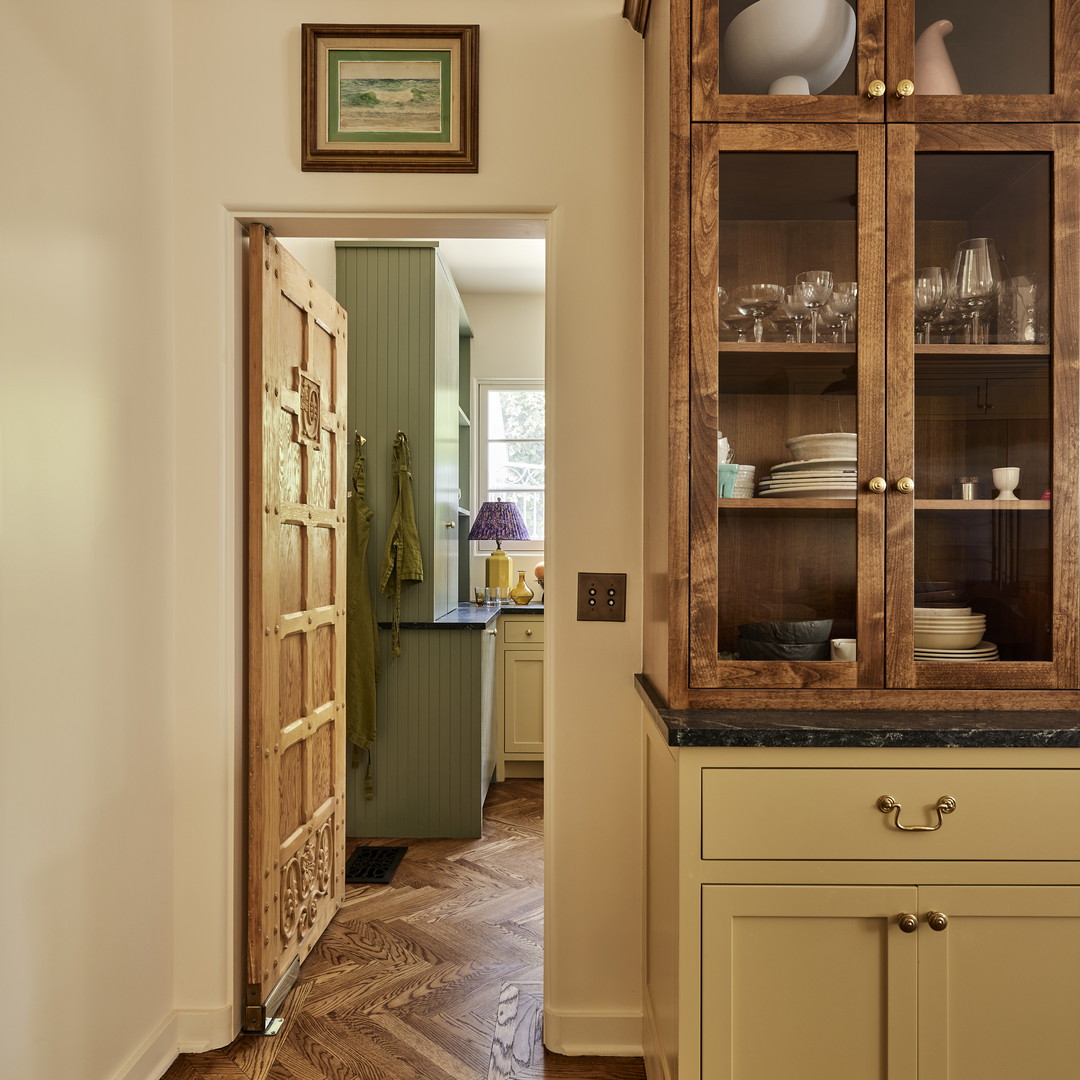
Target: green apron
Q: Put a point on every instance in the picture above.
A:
(361, 628)
(402, 563)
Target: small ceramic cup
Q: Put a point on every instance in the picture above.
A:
(1006, 481)
(842, 648)
(725, 480)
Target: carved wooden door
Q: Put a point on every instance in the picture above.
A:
(297, 475)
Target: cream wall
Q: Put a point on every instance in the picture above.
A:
(87, 514)
(560, 133)
(120, 534)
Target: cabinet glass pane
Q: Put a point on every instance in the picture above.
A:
(993, 47)
(786, 408)
(982, 418)
(787, 47)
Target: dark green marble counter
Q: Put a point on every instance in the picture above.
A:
(862, 727)
(470, 617)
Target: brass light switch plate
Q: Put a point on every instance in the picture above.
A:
(601, 598)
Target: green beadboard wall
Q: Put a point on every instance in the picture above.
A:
(435, 742)
(435, 749)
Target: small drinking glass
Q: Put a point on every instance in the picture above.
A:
(758, 301)
(975, 278)
(844, 301)
(813, 288)
(929, 298)
(797, 312)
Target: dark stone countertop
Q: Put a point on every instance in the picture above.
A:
(470, 617)
(859, 727)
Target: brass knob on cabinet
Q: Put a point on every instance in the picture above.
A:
(905, 88)
(907, 922)
(938, 920)
(905, 484)
(450, 524)
(877, 485)
(528, 633)
(875, 89)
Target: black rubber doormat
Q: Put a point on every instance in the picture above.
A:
(373, 865)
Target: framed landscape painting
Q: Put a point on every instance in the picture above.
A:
(390, 98)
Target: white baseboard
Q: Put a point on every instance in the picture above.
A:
(187, 1032)
(199, 1030)
(603, 1034)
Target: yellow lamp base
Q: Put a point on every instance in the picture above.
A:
(498, 568)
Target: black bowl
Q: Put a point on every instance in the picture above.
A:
(778, 650)
(804, 632)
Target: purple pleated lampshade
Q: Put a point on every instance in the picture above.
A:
(498, 521)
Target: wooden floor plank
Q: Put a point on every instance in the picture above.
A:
(437, 975)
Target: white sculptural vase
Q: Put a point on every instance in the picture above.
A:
(789, 46)
(934, 72)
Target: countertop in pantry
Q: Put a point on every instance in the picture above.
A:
(470, 617)
(859, 727)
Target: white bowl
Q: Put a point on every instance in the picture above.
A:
(789, 46)
(943, 611)
(833, 444)
(948, 639)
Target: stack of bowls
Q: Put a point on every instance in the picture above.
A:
(744, 482)
(807, 639)
(951, 629)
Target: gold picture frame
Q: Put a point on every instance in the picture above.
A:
(390, 98)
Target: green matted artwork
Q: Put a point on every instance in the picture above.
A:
(390, 98)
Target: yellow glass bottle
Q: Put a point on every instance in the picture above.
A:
(521, 593)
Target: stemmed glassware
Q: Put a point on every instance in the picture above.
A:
(758, 301)
(844, 302)
(929, 298)
(975, 280)
(797, 312)
(813, 288)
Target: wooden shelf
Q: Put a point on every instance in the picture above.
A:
(983, 352)
(982, 504)
(773, 505)
(792, 348)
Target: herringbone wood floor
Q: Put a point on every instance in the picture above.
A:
(436, 976)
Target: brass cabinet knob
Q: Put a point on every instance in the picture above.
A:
(905, 484)
(938, 920)
(907, 922)
(905, 88)
(876, 89)
(450, 524)
(877, 485)
(528, 633)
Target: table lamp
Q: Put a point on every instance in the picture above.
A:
(498, 521)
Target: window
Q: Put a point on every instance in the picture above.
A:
(510, 452)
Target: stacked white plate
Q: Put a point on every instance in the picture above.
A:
(815, 478)
(951, 634)
(984, 651)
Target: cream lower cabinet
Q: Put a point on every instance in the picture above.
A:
(792, 930)
(520, 695)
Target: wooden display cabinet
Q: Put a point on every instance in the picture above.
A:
(1013, 62)
(873, 204)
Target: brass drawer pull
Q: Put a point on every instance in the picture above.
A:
(907, 922)
(905, 88)
(876, 89)
(938, 920)
(945, 805)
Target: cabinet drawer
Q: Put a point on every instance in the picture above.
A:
(1000, 814)
(522, 629)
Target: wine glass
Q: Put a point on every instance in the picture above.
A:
(975, 279)
(797, 312)
(844, 301)
(813, 288)
(757, 301)
(929, 297)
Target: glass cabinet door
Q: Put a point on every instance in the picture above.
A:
(983, 60)
(785, 60)
(982, 400)
(787, 401)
